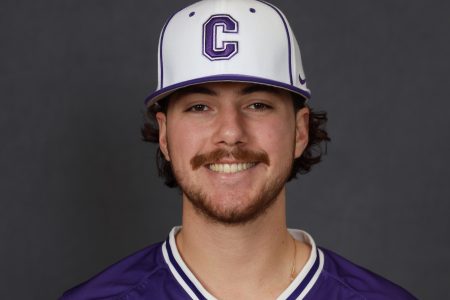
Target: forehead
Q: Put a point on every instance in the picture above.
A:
(229, 88)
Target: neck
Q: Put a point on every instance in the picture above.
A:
(238, 256)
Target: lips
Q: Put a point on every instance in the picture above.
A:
(230, 168)
(229, 161)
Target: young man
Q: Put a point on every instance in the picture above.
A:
(230, 118)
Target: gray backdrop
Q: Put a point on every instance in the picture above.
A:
(79, 189)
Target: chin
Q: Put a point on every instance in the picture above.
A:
(232, 208)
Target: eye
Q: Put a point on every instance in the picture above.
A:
(259, 106)
(198, 107)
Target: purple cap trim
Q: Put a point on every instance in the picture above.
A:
(161, 47)
(159, 94)
(287, 33)
(163, 32)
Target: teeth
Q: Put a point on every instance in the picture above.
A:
(230, 168)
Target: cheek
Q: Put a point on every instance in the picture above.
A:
(183, 143)
(277, 138)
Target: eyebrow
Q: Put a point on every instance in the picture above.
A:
(254, 88)
(195, 89)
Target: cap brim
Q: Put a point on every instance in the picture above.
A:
(166, 91)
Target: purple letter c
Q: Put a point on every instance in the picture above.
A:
(210, 28)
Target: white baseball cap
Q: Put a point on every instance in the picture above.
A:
(228, 40)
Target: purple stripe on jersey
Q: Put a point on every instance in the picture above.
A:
(181, 273)
(288, 36)
(307, 279)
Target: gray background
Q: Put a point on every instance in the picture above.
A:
(79, 189)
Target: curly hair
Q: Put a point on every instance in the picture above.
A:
(315, 149)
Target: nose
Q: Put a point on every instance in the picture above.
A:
(230, 127)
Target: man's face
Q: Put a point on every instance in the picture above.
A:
(231, 146)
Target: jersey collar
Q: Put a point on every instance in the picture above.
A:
(298, 288)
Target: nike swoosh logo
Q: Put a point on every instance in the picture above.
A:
(302, 81)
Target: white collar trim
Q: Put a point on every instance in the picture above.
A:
(298, 288)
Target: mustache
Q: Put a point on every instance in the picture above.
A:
(239, 154)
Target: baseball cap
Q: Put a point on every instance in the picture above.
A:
(228, 40)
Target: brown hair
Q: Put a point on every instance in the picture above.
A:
(316, 147)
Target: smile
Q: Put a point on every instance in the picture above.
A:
(230, 168)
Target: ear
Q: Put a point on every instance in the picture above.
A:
(301, 131)
(162, 123)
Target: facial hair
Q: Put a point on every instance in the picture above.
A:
(257, 206)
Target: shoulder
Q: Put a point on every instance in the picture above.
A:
(346, 280)
(137, 271)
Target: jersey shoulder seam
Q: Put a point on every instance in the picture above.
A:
(141, 284)
(334, 277)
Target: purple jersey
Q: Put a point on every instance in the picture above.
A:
(158, 272)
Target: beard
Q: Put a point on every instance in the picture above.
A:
(257, 206)
(237, 215)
